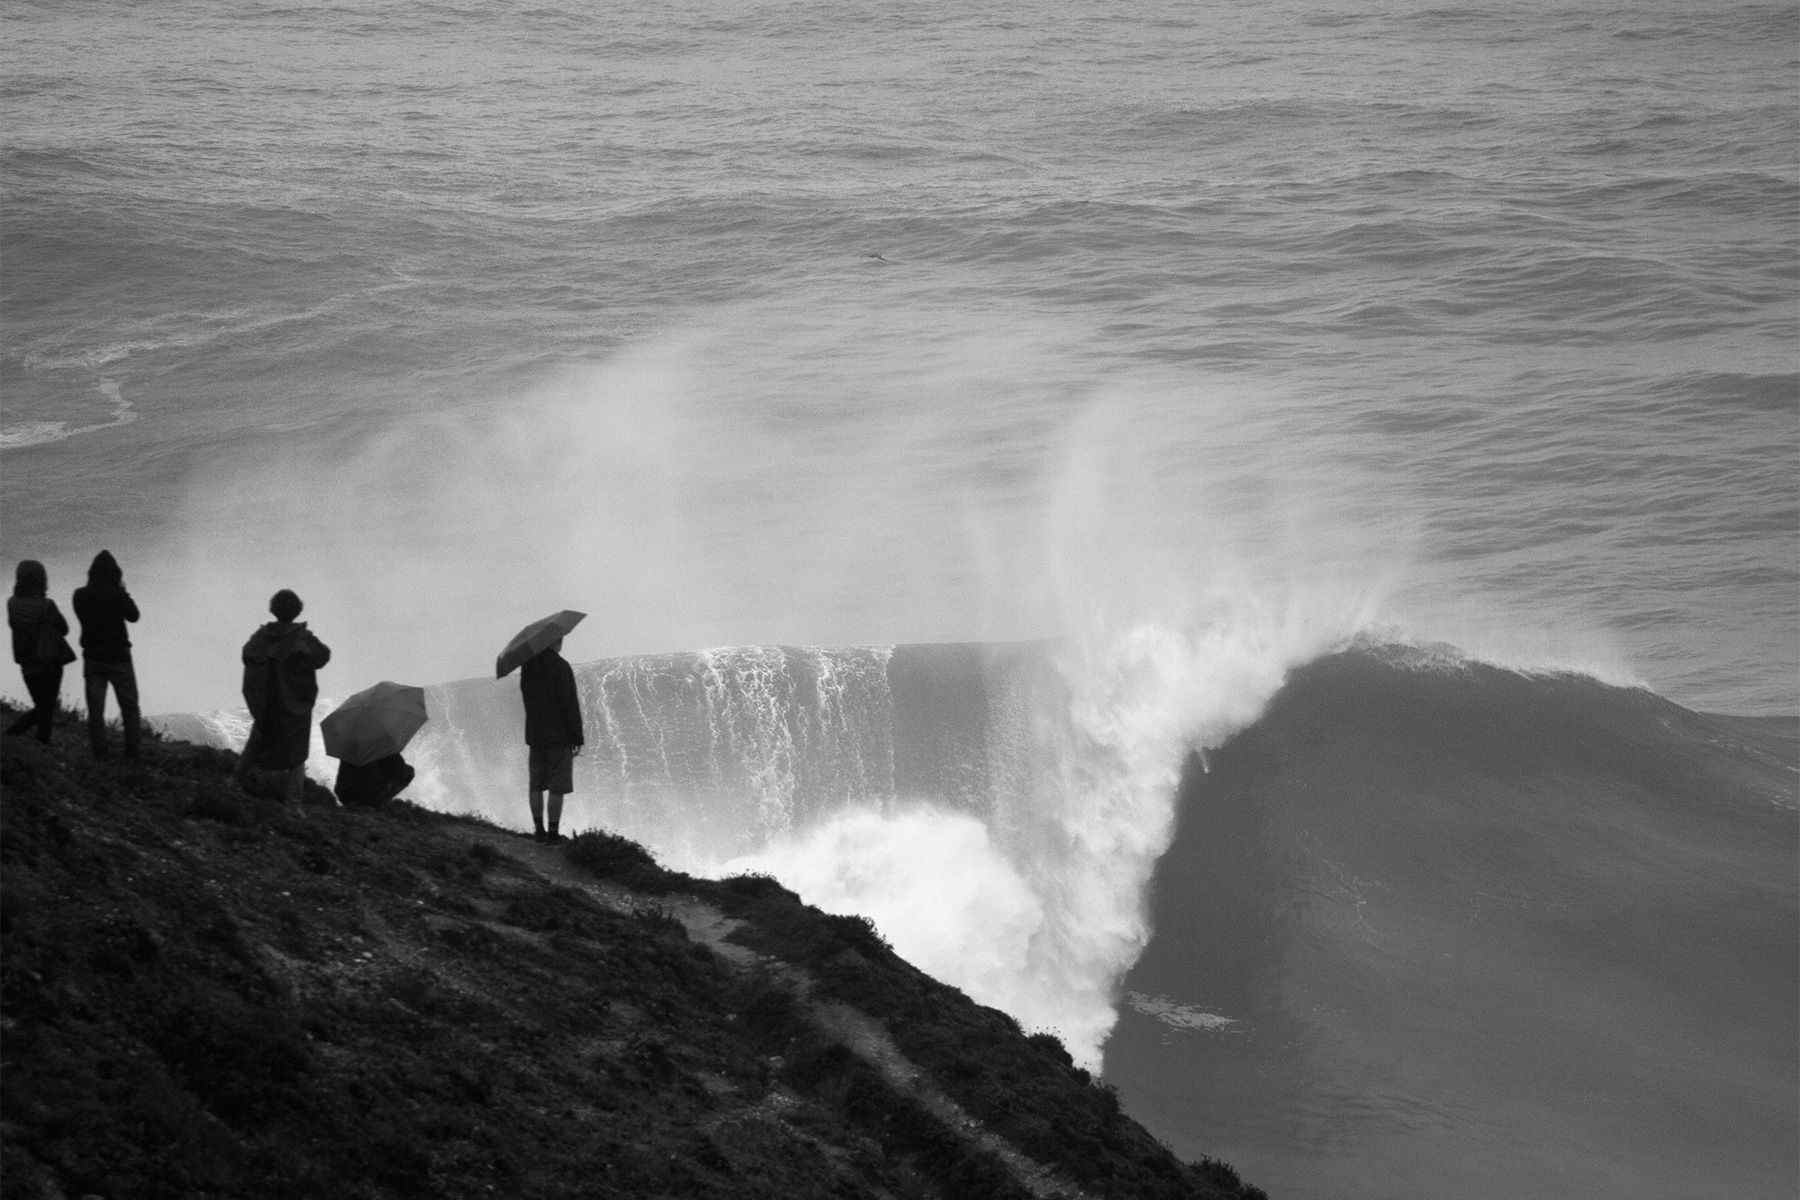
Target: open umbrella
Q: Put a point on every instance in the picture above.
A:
(374, 723)
(530, 641)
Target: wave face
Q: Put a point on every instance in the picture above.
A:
(1433, 929)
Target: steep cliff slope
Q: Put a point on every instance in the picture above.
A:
(205, 996)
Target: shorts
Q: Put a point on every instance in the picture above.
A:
(553, 769)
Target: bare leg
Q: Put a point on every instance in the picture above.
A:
(555, 821)
(537, 810)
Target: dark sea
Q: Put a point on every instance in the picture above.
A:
(1262, 538)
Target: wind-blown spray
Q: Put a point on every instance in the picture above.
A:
(996, 807)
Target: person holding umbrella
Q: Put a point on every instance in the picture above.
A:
(366, 734)
(553, 728)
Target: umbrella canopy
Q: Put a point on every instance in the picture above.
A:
(530, 641)
(374, 723)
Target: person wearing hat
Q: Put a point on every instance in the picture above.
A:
(280, 688)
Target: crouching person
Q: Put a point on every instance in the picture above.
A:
(366, 785)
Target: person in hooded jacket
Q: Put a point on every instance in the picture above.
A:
(280, 688)
(103, 606)
(40, 645)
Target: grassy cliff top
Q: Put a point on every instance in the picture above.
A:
(205, 995)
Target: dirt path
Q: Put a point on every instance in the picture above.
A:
(852, 1028)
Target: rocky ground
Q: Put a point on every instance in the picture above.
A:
(204, 995)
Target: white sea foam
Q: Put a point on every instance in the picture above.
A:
(1176, 1015)
(936, 886)
(1447, 640)
(20, 434)
(32, 433)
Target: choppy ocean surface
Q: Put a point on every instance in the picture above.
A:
(1191, 348)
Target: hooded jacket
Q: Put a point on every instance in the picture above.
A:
(280, 688)
(103, 606)
(38, 627)
(27, 616)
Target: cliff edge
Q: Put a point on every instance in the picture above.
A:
(204, 995)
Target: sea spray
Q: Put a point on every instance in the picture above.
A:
(1029, 896)
(997, 808)
(935, 884)
(1105, 767)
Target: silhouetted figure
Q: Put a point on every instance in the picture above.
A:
(103, 606)
(553, 733)
(40, 644)
(280, 688)
(369, 784)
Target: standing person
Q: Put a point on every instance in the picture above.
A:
(280, 688)
(103, 606)
(40, 642)
(553, 734)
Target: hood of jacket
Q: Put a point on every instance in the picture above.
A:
(104, 571)
(277, 639)
(31, 579)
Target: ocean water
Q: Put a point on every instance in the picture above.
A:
(1456, 931)
(974, 435)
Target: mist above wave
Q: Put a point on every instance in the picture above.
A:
(1174, 545)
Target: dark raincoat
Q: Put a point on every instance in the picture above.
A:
(280, 690)
(373, 783)
(552, 707)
